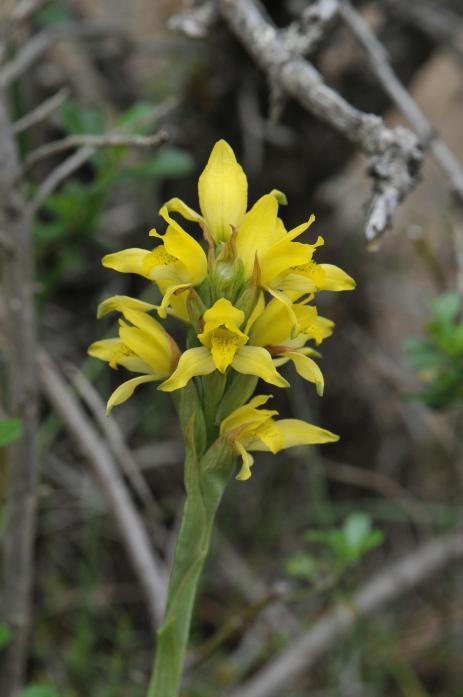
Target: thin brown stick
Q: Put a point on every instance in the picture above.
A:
(59, 175)
(114, 437)
(380, 64)
(76, 160)
(41, 112)
(395, 580)
(109, 140)
(22, 464)
(149, 569)
(394, 154)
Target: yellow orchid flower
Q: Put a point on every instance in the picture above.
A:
(143, 346)
(222, 193)
(250, 428)
(224, 346)
(178, 263)
(274, 329)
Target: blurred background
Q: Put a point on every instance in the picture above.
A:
(312, 525)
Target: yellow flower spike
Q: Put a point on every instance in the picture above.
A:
(223, 192)
(252, 429)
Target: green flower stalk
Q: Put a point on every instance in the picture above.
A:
(247, 307)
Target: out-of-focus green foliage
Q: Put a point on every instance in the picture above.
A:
(5, 635)
(10, 430)
(438, 358)
(39, 691)
(343, 547)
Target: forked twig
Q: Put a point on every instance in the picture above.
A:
(395, 155)
(387, 585)
(149, 569)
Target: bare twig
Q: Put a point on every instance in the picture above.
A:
(395, 580)
(108, 140)
(20, 510)
(58, 175)
(148, 567)
(41, 112)
(114, 437)
(394, 155)
(76, 160)
(379, 60)
(41, 42)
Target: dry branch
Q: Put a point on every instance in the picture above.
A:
(395, 156)
(109, 140)
(149, 569)
(379, 60)
(41, 112)
(20, 509)
(395, 580)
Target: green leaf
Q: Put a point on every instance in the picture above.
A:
(39, 691)
(446, 307)
(356, 529)
(10, 430)
(5, 635)
(167, 163)
(301, 565)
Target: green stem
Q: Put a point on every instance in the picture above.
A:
(205, 481)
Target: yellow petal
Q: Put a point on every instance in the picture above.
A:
(255, 360)
(195, 361)
(270, 435)
(168, 295)
(121, 303)
(223, 312)
(256, 233)
(184, 247)
(176, 205)
(256, 312)
(126, 390)
(142, 346)
(297, 432)
(126, 261)
(223, 345)
(247, 414)
(336, 278)
(286, 303)
(247, 462)
(274, 324)
(307, 369)
(104, 349)
(114, 352)
(222, 189)
(157, 337)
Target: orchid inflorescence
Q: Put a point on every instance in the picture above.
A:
(247, 305)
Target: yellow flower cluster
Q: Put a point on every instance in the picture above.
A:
(247, 305)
